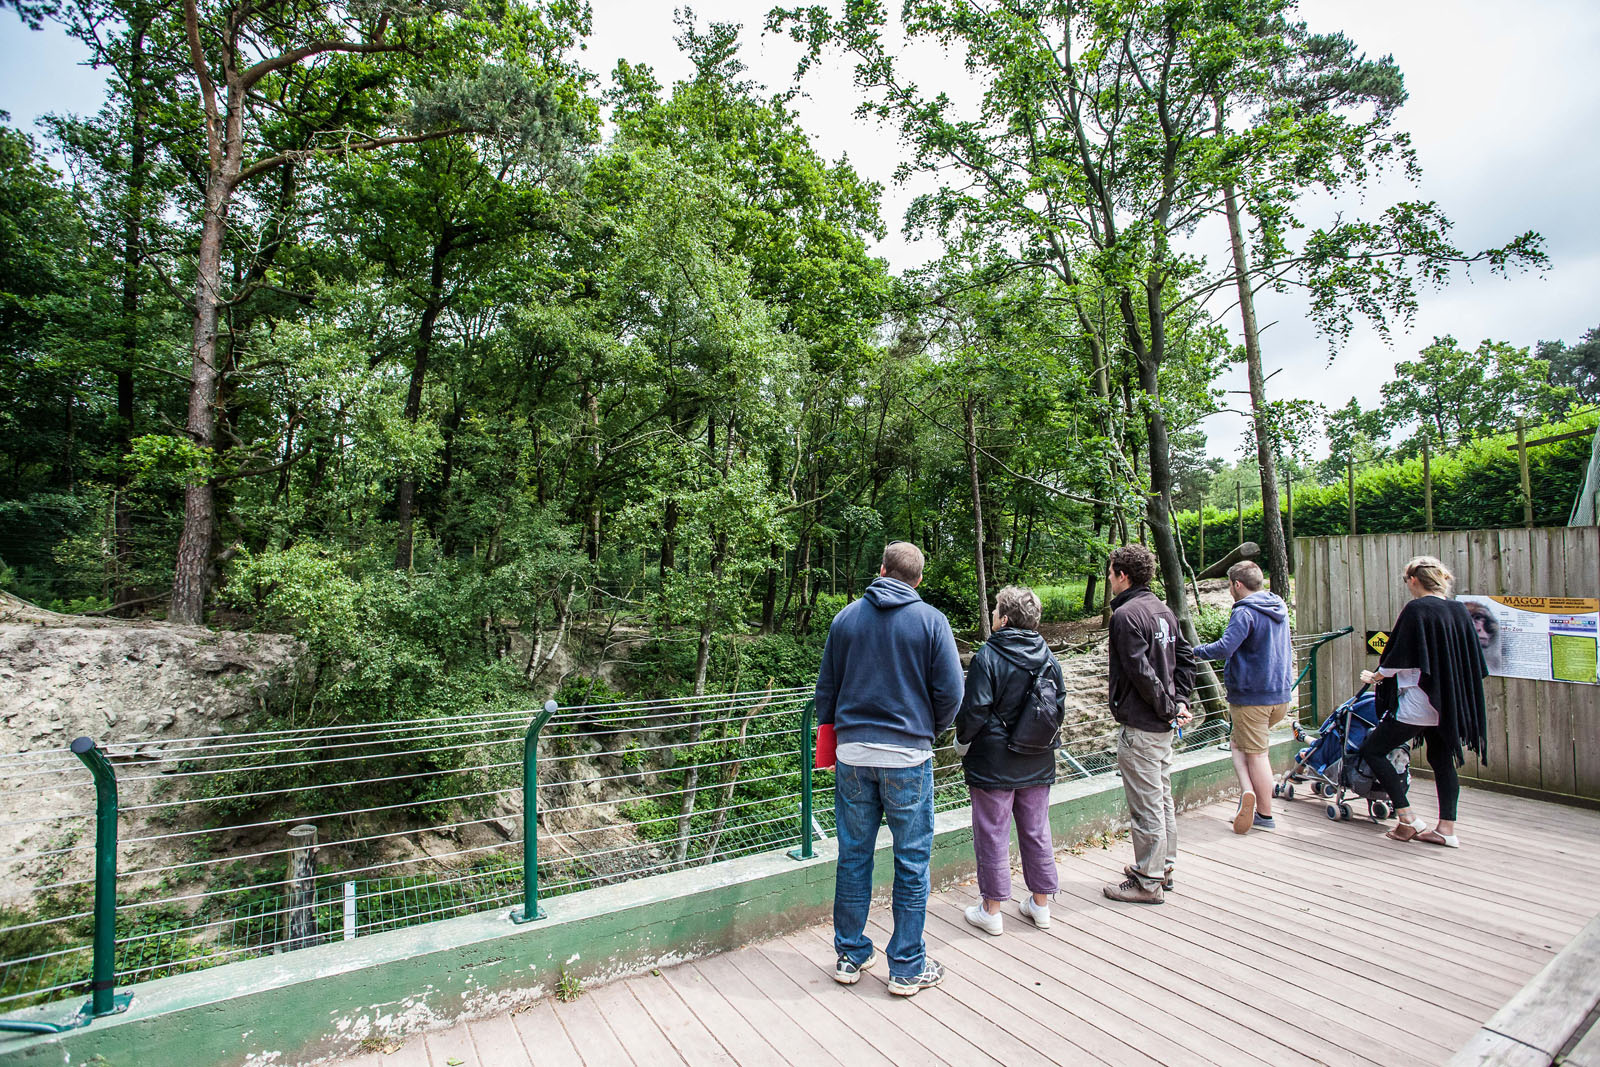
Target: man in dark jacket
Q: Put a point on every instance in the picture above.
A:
(1012, 670)
(1152, 674)
(1259, 676)
(890, 683)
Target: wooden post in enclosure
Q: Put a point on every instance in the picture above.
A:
(1289, 534)
(1522, 464)
(1202, 564)
(1238, 503)
(1427, 487)
(302, 887)
(1350, 491)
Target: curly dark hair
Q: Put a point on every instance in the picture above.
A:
(1136, 562)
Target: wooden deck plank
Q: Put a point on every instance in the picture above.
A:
(1366, 852)
(862, 1008)
(452, 1044)
(497, 1043)
(690, 1039)
(1430, 908)
(795, 995)
(635, 1029)
(1285, 945)
(591, 1035)
(966, 984)
(1373, 1037)
(539, 1027)
(414, 1053)
(927, 1037)
(733, 1031)
(1143, 1010)
(1195, 1005)
(764, 1012)
(1586, 1053)
(1233, 877)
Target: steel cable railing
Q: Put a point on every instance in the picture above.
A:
(204, 850)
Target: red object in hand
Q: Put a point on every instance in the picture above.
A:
(825, 746)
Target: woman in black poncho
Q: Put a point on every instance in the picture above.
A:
(1430, 685)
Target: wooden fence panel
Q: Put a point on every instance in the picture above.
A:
(1542, 735)
(1583, 572)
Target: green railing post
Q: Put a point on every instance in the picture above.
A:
(529, 909)
(103, 999)
(1310, 670)
(807, 758)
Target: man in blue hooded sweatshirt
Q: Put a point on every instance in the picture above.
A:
(890, 683)
(1259, 677)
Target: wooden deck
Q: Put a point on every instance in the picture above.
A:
(1319, 943)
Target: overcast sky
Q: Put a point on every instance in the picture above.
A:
(1503, 112)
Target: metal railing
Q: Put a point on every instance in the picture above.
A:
(210, 849)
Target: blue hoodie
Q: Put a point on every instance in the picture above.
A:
(890, 671)
(1260, 668)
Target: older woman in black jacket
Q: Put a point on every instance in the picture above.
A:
(1011, 680)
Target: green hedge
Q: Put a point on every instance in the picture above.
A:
(1475, 487)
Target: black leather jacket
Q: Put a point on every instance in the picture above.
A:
(997, 687)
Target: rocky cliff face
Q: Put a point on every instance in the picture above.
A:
(123, 684)
(119, 682)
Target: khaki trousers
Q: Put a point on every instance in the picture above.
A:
(1145, 760)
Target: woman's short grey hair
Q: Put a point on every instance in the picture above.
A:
(1020, 605)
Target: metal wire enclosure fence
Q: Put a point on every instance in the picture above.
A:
(232, 846)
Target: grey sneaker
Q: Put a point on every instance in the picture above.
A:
(1264, 822)
(932, 974)
(848, 973)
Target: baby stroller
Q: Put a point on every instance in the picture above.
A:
(1330, 764)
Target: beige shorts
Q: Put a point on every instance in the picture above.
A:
(1251, 723)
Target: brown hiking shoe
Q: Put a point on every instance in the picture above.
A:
(1132, 891)
(1166, 881)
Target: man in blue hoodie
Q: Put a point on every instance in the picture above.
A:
(1259, 677)
(890, 683)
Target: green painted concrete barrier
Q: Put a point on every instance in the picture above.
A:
(328, 1000)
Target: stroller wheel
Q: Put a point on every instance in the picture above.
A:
(1344, 811)
(1277, 791)
(1380, 810)
(1288, 791)
(1333, 812)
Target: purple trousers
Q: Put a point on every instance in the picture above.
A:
(992, 814)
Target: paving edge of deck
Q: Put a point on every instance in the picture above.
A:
(1549, 1016)
(327, 1000)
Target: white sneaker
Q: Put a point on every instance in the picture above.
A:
(989, 923)
(1038, 914)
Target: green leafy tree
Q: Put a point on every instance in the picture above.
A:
(1576, 366)
(277, 89)
(1452, 395)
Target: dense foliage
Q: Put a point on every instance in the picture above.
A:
(392, 326)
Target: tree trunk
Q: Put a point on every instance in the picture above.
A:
(132, 259)
(405, 495)
(1271, 520)
(769, 596)
(669, 540)
(977, 517)
(199, 513)
(1157, 510)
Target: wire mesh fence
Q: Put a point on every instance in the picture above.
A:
(240, 845)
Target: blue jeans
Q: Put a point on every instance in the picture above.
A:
(862, 798)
